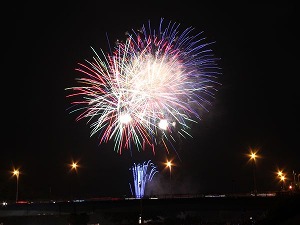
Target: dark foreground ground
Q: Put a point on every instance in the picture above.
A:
(260, 210)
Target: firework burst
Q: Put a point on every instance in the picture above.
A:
(148, 89)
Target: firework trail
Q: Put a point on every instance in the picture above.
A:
(149, 89)
(142, 173)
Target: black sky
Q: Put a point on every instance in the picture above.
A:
(257, 105)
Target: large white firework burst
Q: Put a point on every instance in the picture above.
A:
(149, 88)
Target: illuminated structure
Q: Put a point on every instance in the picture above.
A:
(142, 173)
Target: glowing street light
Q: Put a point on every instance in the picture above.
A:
(74, 166)
(280, 173)
(16, 173)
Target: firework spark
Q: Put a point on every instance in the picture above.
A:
(148, 89)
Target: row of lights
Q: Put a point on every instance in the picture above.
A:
(252, 155)
(73, 166)
(282, 177)
(16, 173)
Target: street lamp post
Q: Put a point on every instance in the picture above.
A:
(253, 157)
(169, 164)
(282, 178)
(17, 173)
(74, 166)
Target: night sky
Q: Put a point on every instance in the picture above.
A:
(257, 105)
